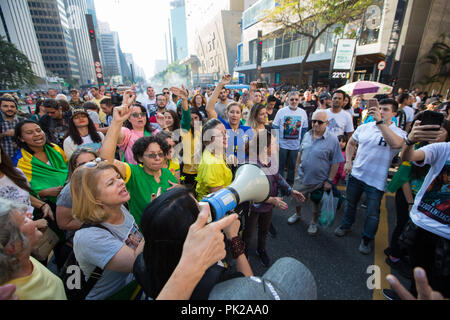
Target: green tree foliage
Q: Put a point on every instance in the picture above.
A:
(15, 68)
(172, 71)
(311, 18)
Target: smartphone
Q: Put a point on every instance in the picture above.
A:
(260, 85)
(372, 103)
(432, 118)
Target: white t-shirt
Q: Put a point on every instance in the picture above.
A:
(431, 210)
(374, 155)
(339, 123)
(10, 191)
(290, 124)
(171, 106)
(409, 113)
(70, 146)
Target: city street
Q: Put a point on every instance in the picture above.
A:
(340, 270)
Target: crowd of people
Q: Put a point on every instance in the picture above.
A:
(120, 182)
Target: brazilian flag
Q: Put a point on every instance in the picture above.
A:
(41, 175)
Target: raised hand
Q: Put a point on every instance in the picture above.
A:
(424, 133)
(122, 113)
(180, 92)
(226, 79)
(129, 97)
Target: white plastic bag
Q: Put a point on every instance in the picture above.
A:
(328, 205)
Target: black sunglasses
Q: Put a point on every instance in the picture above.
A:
(320, 122)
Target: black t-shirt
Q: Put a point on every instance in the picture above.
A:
(310, 107)
(274, 113)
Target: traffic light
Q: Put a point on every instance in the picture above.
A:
(259, 49)
(92, 34)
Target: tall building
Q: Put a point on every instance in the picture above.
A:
(109, 48)
(76, 14)
(399, 32)
(179, 46)
(17, 27)
(55, 40)
(214, 33)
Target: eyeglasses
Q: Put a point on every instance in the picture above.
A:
(92, 164)
(137, 115)
(166, 92)
(320, 122)
(294, 100)
(154, 155)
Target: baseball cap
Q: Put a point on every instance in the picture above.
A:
(76, 111)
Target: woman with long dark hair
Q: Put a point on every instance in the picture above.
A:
(39, 111)
(171, 121)
(82, 132)
(198, 102)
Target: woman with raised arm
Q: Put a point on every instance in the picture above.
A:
(147, 179)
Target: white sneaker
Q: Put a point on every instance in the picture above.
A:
(293, 219)
(312, 229)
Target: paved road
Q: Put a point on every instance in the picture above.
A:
(339, 268)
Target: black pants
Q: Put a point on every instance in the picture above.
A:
(263, 221)
(432, 253)
(402, 209)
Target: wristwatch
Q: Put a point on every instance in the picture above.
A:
(409, 142)
(380, 122)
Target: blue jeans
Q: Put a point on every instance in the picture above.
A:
(289, 157)
(355, 188)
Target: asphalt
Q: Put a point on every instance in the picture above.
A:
(340, 270)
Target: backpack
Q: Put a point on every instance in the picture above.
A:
(74, 280)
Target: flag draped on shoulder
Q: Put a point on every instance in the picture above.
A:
(43, 175)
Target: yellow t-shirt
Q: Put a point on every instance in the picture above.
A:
(101, 114)
(213, 172)
(41, 284)
(174, 166)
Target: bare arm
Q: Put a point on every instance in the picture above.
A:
(110, 143)
(65, 220)
(350, 152)
(419, 133)
(123, 260)
(215, 95)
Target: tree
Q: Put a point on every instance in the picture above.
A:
(311, 18)
(174, 73)
(439, 58)
(15, 68)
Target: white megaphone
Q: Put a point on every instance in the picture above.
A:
(250, 184)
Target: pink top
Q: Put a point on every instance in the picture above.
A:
(131, 136)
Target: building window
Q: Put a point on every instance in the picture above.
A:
(371, 23)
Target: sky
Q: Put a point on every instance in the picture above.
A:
(141, 25)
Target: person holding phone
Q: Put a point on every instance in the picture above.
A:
(377, 143)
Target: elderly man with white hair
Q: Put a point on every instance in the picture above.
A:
(318, 162)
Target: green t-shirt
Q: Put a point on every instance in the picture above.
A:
(141, 186)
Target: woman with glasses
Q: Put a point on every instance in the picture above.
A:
(239, 134)
(147, 179)
(82, 132)
(135, 127)
(113, 240)
(198, 102)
